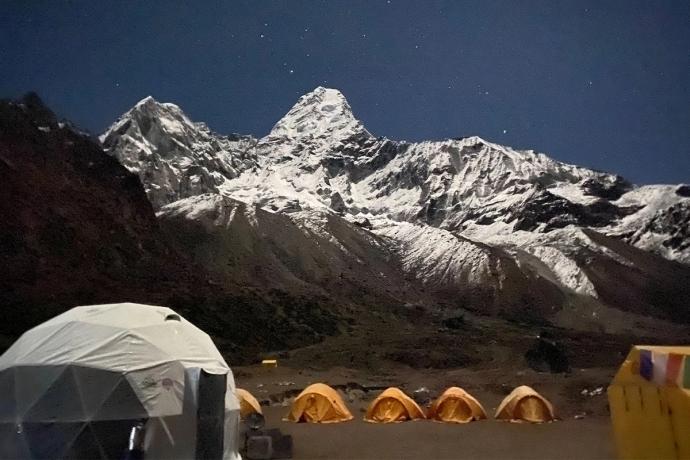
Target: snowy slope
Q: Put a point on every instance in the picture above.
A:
(175, 157)
(455, 215)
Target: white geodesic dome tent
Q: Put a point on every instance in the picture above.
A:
(78, 386)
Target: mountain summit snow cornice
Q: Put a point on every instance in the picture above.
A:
(322, 112)
(318, 119)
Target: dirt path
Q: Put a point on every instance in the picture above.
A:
(570, 439)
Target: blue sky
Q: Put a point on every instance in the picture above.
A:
(603, 84)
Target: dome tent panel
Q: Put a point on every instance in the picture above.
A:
(160, 389)
(525, 404)
(318, 403)
(59, 401)
(455, 405)
(94, 386)
(13, 443)
(30, 382)
(86, 445)
(111, 437)
(391, 406)
(122, 403)
(172, 437)
(50, 440)
(70, 343)
(232, 418)
(189, 345)
(8, 406)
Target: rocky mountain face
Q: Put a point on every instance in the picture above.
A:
(69, 212)
(76, 228)
(175, 157)
(320, 206)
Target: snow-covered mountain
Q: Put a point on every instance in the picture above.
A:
(465, 221)
(174, 156)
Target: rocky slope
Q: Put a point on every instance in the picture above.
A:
(177, 158)
(321, 205)
(76, 228)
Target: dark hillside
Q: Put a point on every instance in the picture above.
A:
(76, 228)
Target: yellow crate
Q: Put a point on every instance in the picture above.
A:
(650, 420)
(269, 363)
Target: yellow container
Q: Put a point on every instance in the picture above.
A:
(651, 418)
(269, 363)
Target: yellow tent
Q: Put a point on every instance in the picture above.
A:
(318, 403)
(455, 405)
(248, 403)
(650, 403)
(393, 406)
(525, 404)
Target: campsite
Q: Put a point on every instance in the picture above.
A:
(344, 229)
(86, 381)
(140, 381)
(583, 430)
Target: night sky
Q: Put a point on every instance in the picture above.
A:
(603, 84)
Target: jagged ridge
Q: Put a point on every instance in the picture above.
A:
(461, 216)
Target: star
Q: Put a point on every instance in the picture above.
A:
(291, 71)
(261, 35)
(505, 131)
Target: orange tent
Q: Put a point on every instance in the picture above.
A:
(248, 403)
(525, 404)
(455, 405)
(393, 406)
(318, 403)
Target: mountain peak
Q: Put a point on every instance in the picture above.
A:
(323, 89)
(174, 156)
(323, 112)
(151, 107)
(322, 94)
(146, 101)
